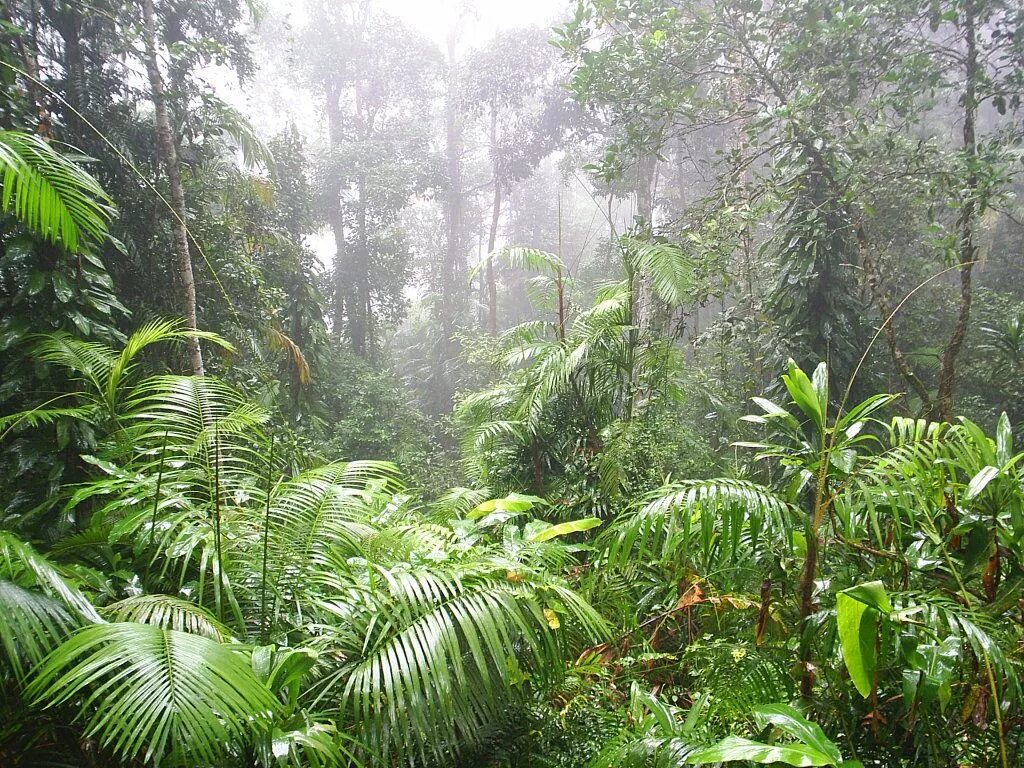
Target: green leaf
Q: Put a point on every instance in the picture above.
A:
(804, 394)
(872, 594)
(788, 719)
(858, 625)
(514, 502)
(154, 693)
(62, 287)
(563, 529)
(1004, 439)
(979, 481)
(49, 193)
(733, 748)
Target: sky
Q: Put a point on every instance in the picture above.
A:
(271, 102)
(435, 17)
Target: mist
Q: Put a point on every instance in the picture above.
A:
(584, 384)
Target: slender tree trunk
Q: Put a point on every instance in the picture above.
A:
(815, 517)
(492, 283)
(69, 26)
(359, 311)
(169, 157)
(807, 608)
(453, 266)
(645, 301)
(968, 215)
(340, 283)
(337, 217)
(560, 279)
(492, 287)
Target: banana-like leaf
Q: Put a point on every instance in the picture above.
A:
(736, 748)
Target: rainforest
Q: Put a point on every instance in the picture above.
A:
(548, 384)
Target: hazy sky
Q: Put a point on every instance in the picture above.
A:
(272, 101)
(435, 17)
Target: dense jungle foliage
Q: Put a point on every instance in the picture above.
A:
(608, 384)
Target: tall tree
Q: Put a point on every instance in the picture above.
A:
(169, 157)
(513, 80)
(375, 77)
(842, 132)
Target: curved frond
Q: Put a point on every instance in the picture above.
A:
(21, 564)
(169, 612)
(51, 195)
(31, 625)
(155, 693)
(433, 658)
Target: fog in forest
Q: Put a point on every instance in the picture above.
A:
(547, 384)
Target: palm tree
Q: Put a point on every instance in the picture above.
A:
(570, 387)
(404, 644)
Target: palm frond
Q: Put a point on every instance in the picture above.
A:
(724, 509)
(670, 269)
(168, 612)
(430, 656)
(31, 625)
(21, 564)
(153, 694)
(51, 194)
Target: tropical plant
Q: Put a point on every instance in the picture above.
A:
(923, 508)
(51, 194)
(222, 558)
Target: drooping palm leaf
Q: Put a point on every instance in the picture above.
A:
(52, 195)
(31, 625)
(155, 694)
(21, 564)
(432, 654)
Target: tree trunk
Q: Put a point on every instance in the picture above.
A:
(947, 371)
(453, 265)
(359, 317)
(68, 24)
(492, 286)
(336, 215)
(560, 278)
(646, 302)
(169, 157)
(340, 284)
(807, 607)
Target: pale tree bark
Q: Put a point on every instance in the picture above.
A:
(453, 268)
(492, 285)
(168, 154)
(647, 311)
(336, 215)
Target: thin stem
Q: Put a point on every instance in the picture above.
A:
(264, 627)
(216, 525)
(156, 498)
